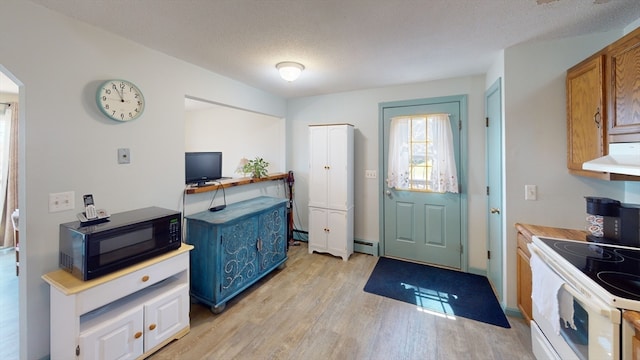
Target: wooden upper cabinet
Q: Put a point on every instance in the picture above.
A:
(623, 80)
(586, 122)
(603, 104)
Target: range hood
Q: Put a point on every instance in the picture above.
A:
(623, 158)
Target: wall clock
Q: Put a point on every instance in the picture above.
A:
(120, 100)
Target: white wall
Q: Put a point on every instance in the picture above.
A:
(360, 108)
(67, 145)
(536, 145)
(238, 134)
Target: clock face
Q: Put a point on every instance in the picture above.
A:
(120, 100)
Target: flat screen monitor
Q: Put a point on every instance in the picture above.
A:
(201, 167)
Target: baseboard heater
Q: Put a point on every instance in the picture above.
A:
(300, 235)
(361, 246)
(365, 247)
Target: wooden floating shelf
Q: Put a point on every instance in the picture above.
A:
(235, 182)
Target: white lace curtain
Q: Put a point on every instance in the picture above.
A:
(438, 153)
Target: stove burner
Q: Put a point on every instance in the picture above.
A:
(631, 254)
(627, 283)
(589, 251)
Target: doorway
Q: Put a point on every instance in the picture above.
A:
(419, 224)
(9, 281)
(493, 108)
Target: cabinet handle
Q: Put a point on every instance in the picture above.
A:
(152, 327)
(327, 167)
(259, 244)
(597, 117)
(138, 335)
(145, 278)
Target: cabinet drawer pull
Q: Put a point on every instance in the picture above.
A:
(152, 327)
(138, 335)
(145, 278)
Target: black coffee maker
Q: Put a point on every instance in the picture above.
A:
(611, 222)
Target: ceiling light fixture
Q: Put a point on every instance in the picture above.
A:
(289, 70)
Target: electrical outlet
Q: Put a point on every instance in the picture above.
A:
(370, 174)
(530, 192)
(124, 157)
(61, 201)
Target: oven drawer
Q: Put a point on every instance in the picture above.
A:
(540, 346)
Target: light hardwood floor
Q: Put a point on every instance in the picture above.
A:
(315, 308)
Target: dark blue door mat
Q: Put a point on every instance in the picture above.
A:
(439, 290)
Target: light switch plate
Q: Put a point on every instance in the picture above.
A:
(124, 156)
(530, 192)
(61, 201)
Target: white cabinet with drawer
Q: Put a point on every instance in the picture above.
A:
(128, 314)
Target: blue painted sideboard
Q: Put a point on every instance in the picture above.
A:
(235, 247)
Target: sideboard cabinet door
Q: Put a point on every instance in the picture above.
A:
(272, 236)
(235, 247)
(239, 264)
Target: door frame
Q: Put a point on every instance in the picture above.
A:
(495, 243)
(462, 175)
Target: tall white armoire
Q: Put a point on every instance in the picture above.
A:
(331, 189)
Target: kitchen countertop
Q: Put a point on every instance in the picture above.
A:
(529, 231)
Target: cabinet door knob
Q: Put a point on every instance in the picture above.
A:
(145, 278)
(138, 335)
(152, 327)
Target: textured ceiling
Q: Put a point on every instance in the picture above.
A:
(344, 44)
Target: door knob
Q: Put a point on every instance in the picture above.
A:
(388, 192)
(495, 211)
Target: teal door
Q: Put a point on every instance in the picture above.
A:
(420, 225)
(493, 106)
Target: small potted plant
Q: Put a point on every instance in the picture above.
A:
(257, 168)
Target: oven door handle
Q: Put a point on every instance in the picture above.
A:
(593, 303)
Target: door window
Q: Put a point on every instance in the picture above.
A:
(421, 155)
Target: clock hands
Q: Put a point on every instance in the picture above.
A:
(120, 92)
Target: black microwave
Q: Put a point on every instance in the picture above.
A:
(130, 237)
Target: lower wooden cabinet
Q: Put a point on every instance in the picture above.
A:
(631, 335)
(331, 231)
(524, 280)
(128, 314)
(235, 247)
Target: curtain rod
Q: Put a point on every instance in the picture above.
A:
(8, 104)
